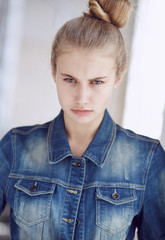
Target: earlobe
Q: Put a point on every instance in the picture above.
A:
(119, 79)
(117, 82)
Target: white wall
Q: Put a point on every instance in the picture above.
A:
(145, 98)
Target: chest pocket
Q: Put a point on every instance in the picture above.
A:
(33, 201)
(114, 208)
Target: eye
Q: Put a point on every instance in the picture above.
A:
(97, 82)
(69, 80)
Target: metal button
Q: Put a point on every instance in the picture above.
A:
(77, 164)
(115, 195)
(72, 191)
(77, 222)
(67, 220)
(33, 187)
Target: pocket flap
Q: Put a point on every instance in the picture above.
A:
(34, 187)
(115, 195)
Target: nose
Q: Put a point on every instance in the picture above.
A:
(82, 95)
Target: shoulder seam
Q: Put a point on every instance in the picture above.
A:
(25, 132)
(137, 136)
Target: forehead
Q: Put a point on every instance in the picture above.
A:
(87, 52)
(85, 60)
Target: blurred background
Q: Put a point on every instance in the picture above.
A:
(28, 93)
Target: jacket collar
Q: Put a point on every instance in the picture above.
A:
(59, 149)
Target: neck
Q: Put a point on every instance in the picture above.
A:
(78, 130)
(80, 135)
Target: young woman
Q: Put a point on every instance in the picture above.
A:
(81, 176)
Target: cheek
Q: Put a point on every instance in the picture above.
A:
(104, 100)
(104, 96)
(64, 96)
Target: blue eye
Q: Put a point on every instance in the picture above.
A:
(69, 80)
(97, 82)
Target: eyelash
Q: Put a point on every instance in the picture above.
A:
(69, 80)
(95, 82)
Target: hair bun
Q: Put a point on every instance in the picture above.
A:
(115, 12)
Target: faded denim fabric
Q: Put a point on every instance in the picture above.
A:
(117, 185)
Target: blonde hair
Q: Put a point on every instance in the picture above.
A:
(97, 29)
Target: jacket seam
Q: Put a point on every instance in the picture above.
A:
(49, 148)
(145, 177)
(26, 132)
(8, 178)
(137, 136)
(111, 141)
(66, 185)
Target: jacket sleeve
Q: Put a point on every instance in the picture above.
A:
(152, 217)
(6, 157)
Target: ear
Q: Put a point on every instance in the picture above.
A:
(119, 78)
(54, 76)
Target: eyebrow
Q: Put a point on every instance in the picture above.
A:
(70, 76)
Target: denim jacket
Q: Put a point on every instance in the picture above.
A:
(117, 185)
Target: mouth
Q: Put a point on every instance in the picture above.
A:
(81, 112)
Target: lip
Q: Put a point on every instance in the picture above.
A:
(81, 112)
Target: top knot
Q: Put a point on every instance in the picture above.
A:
(115, 12)
(97, 11)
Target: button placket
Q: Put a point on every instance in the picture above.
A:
(77, 222)
(72, 198)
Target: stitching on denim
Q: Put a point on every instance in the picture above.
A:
(62, 213)
(12, 140)
(119, 202)
(75, 187)
(69, 174)
(59, 159)
(33, 128)
(23, 189)
(80, 194)
(57, 181)
(83, 200)
(14, 152)
(112, 185)
(138, 136)
(48, 206)
(37, 221)
(110, 144)
(111, 231)
(98, 222)
(40, 231)
(108, 148)
(148, 165)
(49, 147)
(83, 217)
(79, 199)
